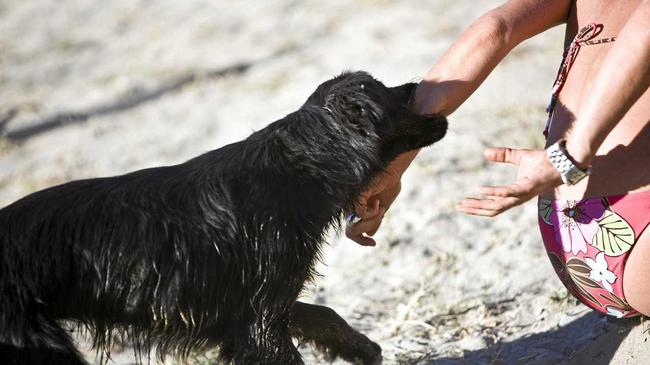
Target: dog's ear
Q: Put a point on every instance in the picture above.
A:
(352, 110)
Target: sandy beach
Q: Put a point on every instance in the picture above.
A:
(95, 88)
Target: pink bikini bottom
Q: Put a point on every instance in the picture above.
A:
(589, 241)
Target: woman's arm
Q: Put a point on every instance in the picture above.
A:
(622, 78)
(480, 48)
(456, 75)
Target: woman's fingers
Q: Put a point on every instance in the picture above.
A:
(501, 191)
(375, 226)
(373, 210)
(363, 240)
(503, 154)
(359, 232)
(366, 210)
(511, 191)
(476, 211)
(361, 205)
(489, 206)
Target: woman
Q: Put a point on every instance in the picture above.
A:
(593, 181)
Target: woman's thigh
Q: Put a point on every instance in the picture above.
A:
(636, 279)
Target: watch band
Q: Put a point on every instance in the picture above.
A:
(560, 158)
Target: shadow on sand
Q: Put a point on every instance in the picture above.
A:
(132, 99)
(592, 339)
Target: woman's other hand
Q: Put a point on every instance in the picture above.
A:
(535, 175)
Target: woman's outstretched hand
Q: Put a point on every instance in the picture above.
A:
(376, 199)
(535, 175)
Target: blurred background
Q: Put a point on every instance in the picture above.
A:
(93, 88)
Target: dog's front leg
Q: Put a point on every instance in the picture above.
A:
(261, 344)
(331, 334)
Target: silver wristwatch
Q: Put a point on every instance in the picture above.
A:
(563, 162)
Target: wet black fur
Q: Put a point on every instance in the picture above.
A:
(210, 252)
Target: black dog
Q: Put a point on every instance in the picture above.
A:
(210, 252)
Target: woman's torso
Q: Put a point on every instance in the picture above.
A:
(622, 162)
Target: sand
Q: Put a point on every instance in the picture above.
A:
(96, 88)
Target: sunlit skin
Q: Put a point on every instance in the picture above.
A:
(603, 113)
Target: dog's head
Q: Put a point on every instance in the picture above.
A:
(381, 115)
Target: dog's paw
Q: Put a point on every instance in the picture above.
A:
(331, 335)
(359, 349)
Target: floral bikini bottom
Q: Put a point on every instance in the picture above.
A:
(589, 241)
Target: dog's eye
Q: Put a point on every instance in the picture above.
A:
(363, 86)
(360, 110)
